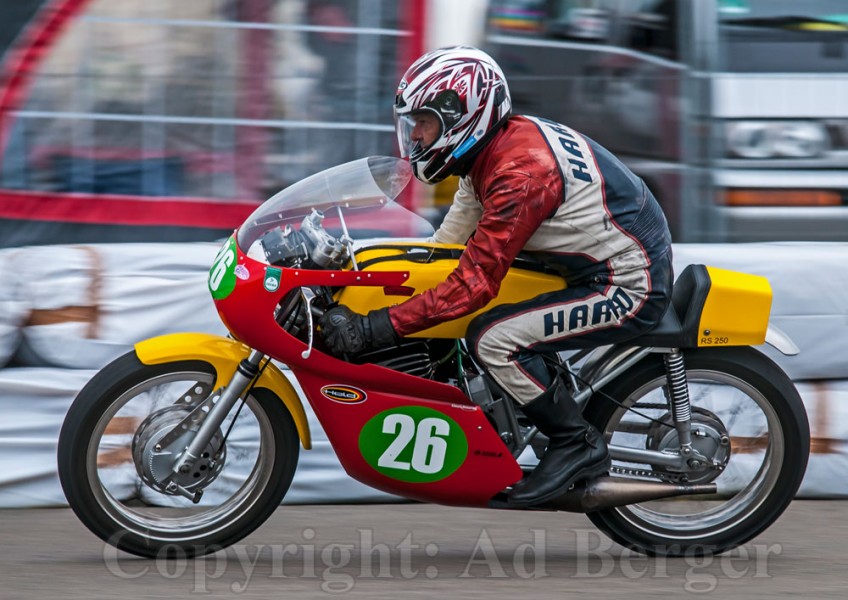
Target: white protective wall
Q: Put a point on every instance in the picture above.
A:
(65, 311)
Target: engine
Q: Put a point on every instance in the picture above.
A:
(430, 359)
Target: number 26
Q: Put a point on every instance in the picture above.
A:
(428, 451)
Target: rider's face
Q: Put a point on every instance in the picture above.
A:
(426, 130)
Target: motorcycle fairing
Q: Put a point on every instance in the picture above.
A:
(377, 441)
(487, 466)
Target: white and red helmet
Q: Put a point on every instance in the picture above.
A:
(466, 89)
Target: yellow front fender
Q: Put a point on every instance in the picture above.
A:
(224, 355)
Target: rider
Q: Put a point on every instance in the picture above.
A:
(526, 184)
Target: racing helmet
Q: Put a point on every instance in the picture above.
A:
(466, 89)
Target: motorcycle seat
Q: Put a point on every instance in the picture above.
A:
(678, 327)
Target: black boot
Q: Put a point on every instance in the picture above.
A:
(576, 450)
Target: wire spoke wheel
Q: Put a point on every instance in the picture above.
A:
(124, 432)
(749, 423)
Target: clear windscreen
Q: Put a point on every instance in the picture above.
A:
(353, 201)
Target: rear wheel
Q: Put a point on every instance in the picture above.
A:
(746, 414)
(114, 460)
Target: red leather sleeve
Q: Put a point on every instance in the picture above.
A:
(513, 208)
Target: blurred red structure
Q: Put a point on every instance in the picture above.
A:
(159, 121)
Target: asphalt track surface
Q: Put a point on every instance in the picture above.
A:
(424, 551)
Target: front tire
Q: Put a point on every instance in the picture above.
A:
(769, 438)
(110, 492)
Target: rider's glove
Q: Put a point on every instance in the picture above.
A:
(346, 332)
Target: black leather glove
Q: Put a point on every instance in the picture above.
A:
(347, 332)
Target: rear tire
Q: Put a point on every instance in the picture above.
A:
(737, 516)
(140, 526)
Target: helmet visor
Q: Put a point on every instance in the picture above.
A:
(417, 132)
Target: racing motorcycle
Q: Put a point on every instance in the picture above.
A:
(190, 441)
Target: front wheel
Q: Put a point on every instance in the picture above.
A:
(114, 463)
(746, 412)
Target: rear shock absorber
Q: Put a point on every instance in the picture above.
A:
(678, 397)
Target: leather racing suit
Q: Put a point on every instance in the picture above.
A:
(544, 189)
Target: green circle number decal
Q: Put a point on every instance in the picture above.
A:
(413, 443)
(222, 278)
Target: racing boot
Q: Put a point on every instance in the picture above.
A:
(576, 450)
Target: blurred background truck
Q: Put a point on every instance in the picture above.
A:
(735, 112)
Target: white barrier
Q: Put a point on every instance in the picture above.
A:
(33, 403)
(810, 286)
(65, 311)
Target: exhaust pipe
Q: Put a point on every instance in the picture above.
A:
(607, 492)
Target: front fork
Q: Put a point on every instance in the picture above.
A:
(246, 372)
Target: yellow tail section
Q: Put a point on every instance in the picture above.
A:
(736, 311)
(429, 265)
(224, 355)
